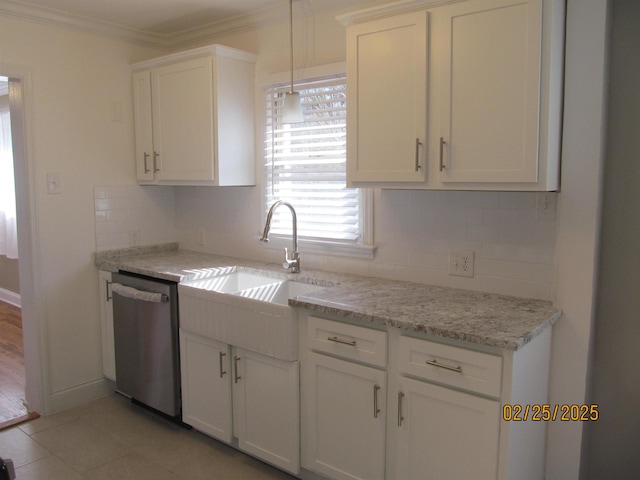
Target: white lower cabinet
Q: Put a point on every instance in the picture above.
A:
(206, 387)
(382, 404)
(230, 393)
(266, 408)
(346, 435)
(445, 434)
(445, 430)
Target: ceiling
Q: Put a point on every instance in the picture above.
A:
(163, 17)
(168, 23)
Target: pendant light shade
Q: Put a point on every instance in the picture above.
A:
(292, 107)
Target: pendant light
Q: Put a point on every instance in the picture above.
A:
(292, 108)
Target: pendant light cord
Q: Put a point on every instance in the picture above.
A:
(291, 41)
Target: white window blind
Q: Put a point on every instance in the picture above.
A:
(305, 164)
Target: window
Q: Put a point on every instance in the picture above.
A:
(8, 225)
(305, 164)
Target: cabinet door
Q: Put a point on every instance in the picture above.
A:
(266, 408)
(489, 54)
(183, 120)
(206, 385)
(387, 92)
(446, 434)
(106, 320)
(346, 431)
(143, 125)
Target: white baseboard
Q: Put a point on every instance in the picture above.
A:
(10, 297)
(79, 395)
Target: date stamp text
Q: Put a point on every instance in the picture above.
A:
(547, 412)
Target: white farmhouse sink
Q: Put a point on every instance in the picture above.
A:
(233, 282)
(279, 293)
(244, 309)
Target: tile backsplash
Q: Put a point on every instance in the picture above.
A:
(512, 234)
(131, 216)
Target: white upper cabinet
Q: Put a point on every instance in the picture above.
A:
(194, 118)
(145, 170)
(387, 99)
(494, 86)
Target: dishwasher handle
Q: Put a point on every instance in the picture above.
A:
(135, 294)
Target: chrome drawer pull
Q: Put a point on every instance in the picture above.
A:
(235, 364)
(351, 343)
(146, 157)
(442, 144)
(418, 144)
(444, 365)
(400, 416)
(376, 410)
(222, 371)
(155, 161)
(109, 296)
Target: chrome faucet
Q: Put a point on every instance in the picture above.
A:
(291, 259)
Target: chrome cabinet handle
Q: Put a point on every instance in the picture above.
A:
(351, 343)
(235, 365)
(444, 365)
(376, 410)
(400, 417)
(442, 144)
(146, 168)
(222, 371)
(155, 161)
(418, 166)
(106, 285)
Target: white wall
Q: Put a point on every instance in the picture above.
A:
(578, 224)
(73, 80)
(613, 440)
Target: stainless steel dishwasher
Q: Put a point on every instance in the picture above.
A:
(145, 326)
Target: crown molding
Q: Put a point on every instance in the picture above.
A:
(390, 9)
(205, 34)
(56, 18)
(201, 35)
(176, 40)
(269, 15)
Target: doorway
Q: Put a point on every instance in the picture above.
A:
(19, 91)
(12, 374)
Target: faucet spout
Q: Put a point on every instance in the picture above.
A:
(291, 259)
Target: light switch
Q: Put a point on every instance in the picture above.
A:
(116, 111)
(53, 184)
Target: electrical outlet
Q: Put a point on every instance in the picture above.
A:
(461, 263)
(134, 238)
(53, 183)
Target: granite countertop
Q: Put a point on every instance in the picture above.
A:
(487, 319)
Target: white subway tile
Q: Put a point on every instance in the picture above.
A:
(414, 231)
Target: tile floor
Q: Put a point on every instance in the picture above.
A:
(113, 439)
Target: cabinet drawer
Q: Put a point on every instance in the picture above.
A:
(348, 341)
(475, 371)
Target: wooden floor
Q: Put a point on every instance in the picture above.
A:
(12, 377)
